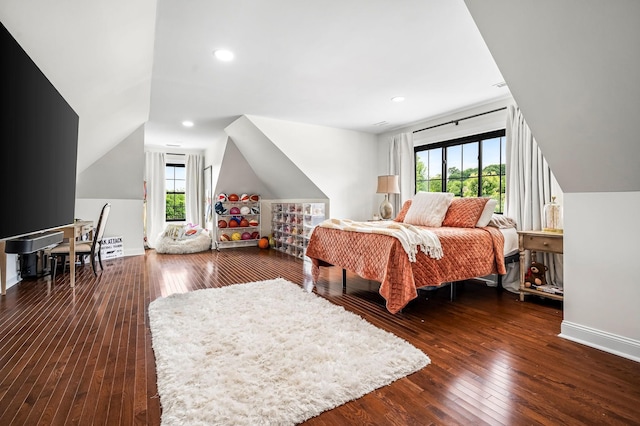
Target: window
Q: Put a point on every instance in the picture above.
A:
(473, 166)
(175, 185)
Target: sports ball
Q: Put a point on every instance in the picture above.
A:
(222, 197)
(233, 223)
(236, 236)
(220, 208)
(245, 210)
(255, 235)
(254, 197)
(255, 210)
(234, 210)
(244, 198)
(233, 197)
(225, 237)
(253, 222)
(222, 224)
(244, 222)
(246, 236)
(263, 243)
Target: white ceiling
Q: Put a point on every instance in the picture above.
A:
(334, 63)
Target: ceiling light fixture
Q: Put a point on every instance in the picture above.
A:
(397, 98)
(223, 55)
(174, 145)
(187, 123)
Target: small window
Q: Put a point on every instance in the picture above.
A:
(473, 166)
(175, 183)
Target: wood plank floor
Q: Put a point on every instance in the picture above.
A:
(83, 356)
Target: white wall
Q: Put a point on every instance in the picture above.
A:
(125, 220)
(601, 285)
(342, 163)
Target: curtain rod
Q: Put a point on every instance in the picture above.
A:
(460, 119)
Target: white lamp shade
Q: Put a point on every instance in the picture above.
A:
(388, 184)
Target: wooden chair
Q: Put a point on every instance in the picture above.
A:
(83, 248)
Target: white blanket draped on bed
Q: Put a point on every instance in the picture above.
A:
(411, 237)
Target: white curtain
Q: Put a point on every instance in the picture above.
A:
(402, 163)
(529, 183)
(194, 189)
(156, 195)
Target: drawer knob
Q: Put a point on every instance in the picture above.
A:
(545, 243)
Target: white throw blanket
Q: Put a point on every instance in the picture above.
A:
(411, 237)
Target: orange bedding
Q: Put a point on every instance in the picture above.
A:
(468, 253)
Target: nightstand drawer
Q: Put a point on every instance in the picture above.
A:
(542, 243)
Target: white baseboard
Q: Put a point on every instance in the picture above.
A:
(608, 342)
(134, 252)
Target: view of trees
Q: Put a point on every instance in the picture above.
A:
(175, 207)
(464, 183)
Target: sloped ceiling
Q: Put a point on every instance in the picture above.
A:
(572, 67)
(281, 177)
(98, 55)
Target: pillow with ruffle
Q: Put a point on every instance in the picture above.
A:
(428, 209)
(464, 212)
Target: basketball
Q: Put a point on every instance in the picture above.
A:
(233, 223)
(222, 224)
(246, 236)
(255, 198)
(233, 197)
(255, 235)
(244, 222)
(236, 236)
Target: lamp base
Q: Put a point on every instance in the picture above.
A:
(386, 209)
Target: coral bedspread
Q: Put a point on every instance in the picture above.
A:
(468, 253)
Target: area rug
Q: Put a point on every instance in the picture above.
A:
(267, 353)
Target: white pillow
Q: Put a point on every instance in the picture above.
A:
(485, 217)
(428, 208)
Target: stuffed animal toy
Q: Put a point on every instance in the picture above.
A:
(535, 275)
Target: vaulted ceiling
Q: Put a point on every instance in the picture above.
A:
(333, 63)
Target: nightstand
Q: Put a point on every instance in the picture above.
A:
(535, 241)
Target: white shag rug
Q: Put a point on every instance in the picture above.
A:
(267, 353)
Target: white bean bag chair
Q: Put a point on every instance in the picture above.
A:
(183, 239)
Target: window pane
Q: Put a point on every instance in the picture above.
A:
(180, 172)
(169, 185)
(169, 172)
(180, 186)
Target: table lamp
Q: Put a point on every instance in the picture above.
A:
(387, 184)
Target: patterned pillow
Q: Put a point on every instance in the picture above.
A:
(403, 211)
(428, 209)
(464, 212)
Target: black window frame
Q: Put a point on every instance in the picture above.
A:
(167, 193)
(478, 138)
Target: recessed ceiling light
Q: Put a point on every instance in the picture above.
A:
(223, 55)
(175, 145)
(397, 98)
(187, 123)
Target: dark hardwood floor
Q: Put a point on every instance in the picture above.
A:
(83, 356)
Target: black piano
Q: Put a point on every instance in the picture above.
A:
(32, 262)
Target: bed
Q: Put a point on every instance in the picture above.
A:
(468, 252)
